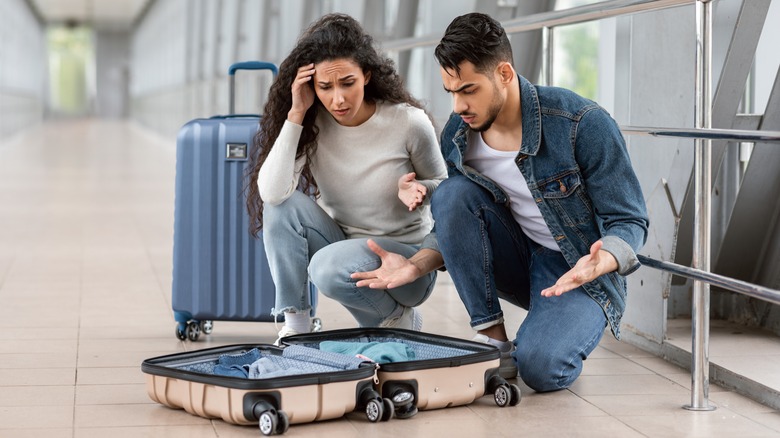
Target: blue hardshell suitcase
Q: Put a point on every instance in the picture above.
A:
(220, 271)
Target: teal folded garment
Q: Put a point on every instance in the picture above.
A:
(379, 352)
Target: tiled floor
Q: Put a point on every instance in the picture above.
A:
(86, 221)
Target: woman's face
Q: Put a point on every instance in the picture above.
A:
(339, 85)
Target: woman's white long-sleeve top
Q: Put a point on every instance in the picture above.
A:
(357, 170)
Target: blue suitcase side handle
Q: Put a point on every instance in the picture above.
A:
(253, 65)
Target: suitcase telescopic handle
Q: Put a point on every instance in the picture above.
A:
(246, 65)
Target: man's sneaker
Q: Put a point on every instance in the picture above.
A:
(410, 319)
(507, 368)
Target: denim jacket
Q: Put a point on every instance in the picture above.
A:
(575, 162)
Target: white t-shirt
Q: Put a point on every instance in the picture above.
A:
(500, 167)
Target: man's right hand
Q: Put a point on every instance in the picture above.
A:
(395, 270)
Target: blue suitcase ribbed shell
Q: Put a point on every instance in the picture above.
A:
(220, 272)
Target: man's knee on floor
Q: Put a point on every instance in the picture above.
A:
(544, 370)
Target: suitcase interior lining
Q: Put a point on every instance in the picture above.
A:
(295, 360)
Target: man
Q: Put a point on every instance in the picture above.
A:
(541, 207)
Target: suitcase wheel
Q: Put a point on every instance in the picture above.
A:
(507, 395)
(375, 410)
(502, 395)
(180, 333)
(407, 411)
(379, 409)
(284, 423)
(389, 409)
(268, 422)
(273, 422)
(402, 398)
(193, 331)
(516, 395)
(207, 326)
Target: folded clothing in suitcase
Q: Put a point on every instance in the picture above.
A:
(439, 372)
(289, 385)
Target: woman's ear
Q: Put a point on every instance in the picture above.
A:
(366, 76)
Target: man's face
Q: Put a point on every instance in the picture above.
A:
(475, 96)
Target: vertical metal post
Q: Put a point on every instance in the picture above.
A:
(700, 366)
(547, 55)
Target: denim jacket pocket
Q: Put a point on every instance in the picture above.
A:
(566, 195)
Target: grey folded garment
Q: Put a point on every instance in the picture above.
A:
(266, 368)
(294, 360)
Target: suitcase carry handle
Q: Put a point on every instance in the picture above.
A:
(253, 65)
(246, 65)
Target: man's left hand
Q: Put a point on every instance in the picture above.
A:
(587, 269)
(395, 270)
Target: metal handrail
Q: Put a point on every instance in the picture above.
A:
(706, 133)
(743, 287)
(580, 14)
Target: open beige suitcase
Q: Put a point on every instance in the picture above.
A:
(319, 391)
(437, 372)
(445, 371)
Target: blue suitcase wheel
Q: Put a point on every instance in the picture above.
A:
(207, 326)
(180, 332)
(193, 331)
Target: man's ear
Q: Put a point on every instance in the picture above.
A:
(506, 72)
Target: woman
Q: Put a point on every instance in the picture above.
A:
(339, 126)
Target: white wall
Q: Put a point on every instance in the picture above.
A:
(112, 59)
(22, 67)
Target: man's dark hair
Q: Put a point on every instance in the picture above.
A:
(476, 38)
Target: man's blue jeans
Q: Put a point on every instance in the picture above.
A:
(487, 254)
(302, 242)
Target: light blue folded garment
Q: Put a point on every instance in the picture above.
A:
(379, 352)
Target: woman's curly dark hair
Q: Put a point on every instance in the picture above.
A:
(334, 36)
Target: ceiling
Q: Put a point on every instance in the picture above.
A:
(101, 14)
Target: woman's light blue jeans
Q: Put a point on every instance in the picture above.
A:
(487, 254)
(302, 241)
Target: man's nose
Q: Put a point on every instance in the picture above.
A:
(459, 104)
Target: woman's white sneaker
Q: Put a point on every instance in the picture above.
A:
(410, 319)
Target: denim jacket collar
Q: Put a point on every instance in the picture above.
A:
(531, 116)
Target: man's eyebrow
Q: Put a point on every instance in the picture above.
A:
(459, 89)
